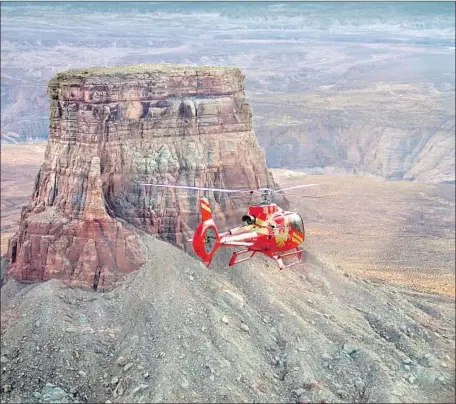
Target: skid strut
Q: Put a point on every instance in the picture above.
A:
(236, 254)
(278, 258)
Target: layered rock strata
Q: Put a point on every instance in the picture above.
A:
(111, 127)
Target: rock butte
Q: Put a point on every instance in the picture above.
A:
(112, 126)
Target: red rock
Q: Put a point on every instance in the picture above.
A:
(110, 127)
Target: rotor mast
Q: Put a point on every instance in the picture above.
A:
(266, 196)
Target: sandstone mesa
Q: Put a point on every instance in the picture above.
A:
(110, 127)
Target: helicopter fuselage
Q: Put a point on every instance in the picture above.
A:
(269, 228)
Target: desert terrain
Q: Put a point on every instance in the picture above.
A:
(365, 88)
(19, 168)
(367, 317)
(356, 98)
(396, 231)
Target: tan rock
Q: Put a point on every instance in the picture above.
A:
(110, 127)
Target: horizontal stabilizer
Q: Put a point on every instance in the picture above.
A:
(237, 243)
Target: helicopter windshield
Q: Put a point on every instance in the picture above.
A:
(296, 222)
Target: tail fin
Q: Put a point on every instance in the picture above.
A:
(206, 239)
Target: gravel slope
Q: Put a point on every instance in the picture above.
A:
(175, 331)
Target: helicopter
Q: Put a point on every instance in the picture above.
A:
(268, 229)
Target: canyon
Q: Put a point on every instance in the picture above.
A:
(398, 131)
(322, 82)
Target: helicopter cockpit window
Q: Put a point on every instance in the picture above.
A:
(296, 222)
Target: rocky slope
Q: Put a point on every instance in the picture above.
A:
(176, 331)
(110, 127)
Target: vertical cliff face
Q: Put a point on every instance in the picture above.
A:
(111, 127)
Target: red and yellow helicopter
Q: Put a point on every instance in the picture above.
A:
(269, 229)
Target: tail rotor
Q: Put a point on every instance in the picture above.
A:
(206, 239)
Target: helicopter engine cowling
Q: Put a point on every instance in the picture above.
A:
(249, 219)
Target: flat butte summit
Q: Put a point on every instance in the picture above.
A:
(103, 300)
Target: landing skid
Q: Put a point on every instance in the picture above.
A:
(276, 257)
(234, 258)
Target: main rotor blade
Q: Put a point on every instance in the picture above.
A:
(296, 187)
(199, 188)
(309, 196)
